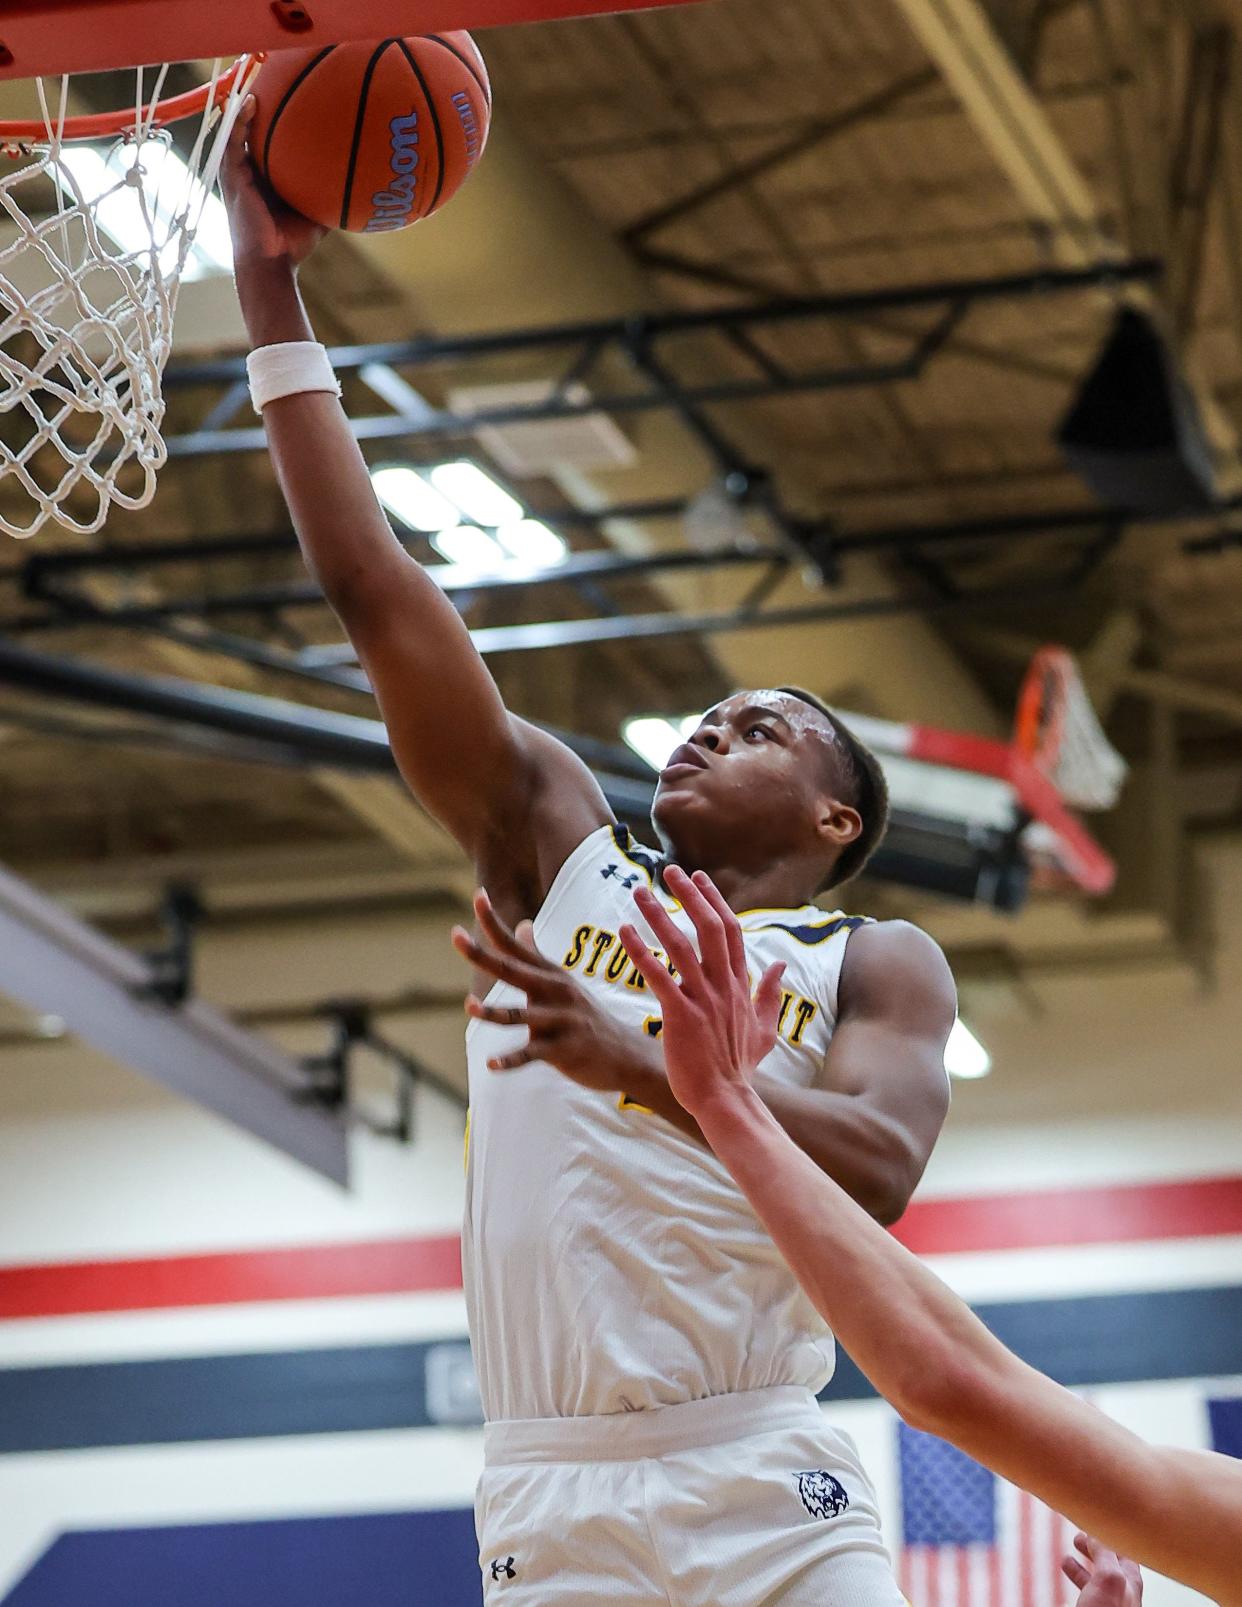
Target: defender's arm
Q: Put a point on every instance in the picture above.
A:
(1179, 1512)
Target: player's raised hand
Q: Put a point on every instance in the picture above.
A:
(1105, 1579)
(715, 1031)
(264, 229)
(567, 1028)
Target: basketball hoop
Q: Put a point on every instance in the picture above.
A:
(98, 221)
(1058, 730)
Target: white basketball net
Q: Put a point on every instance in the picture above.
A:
(1061, 732)
(94, 242)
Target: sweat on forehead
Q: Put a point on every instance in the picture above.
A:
(801, 715)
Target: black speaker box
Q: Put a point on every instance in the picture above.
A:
(1134, 433)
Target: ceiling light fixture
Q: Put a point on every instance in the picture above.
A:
(964, 1055)
(406, 494)
(170, 190)
(652, 737)
(468, 547)
(477, 494)
(530, 541)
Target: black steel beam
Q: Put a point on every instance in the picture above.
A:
(315, 736)
(443, 425)
(648, 327)
(449, 577)
(806, 139)
(153, 554)
(35, 572)
(318, 735)
(640, 339)
(648, 627)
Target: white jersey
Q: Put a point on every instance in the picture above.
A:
(611, 1263)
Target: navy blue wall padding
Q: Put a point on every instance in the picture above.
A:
(406, 1559)
(193, 1398)
(1109, 1339)
(1094, 1339)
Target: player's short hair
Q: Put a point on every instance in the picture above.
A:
(865, 788)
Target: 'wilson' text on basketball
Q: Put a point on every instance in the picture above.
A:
(395, 206)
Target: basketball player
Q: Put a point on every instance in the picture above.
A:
(1179, 1512)
(648, 1364)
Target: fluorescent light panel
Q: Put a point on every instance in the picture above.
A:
(469, 548)
(654, 736)
(435, 502)
(170, 190)
(530, 541)
(477, 494)
(406, 494)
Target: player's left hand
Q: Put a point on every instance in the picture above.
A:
(1105, 1579)
(568, 1030)
(715, 1031)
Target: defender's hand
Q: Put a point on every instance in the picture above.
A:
(264, 229)
(1105, 1579)
(715, 1032)
(567, 1028)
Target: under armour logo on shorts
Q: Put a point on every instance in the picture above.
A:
(504, 1570)
(613, 874)
(822, 1495)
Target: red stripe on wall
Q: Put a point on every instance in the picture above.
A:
(1126, 1214)
(393, 1266)
(1052, 1219)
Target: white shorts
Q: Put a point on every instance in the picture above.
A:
(746, 1500)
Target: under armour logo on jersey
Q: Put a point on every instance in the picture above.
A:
(613, 874)
(822, 1495)
(504, 1570)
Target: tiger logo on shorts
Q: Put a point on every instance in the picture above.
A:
(822, 1495)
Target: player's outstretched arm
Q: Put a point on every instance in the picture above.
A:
(922, 1347)
(492, 780)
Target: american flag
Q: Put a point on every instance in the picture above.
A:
(1225, 1419)
(971, 1540)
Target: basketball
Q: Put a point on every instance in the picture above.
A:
(372, 137)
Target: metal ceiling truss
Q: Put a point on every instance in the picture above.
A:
(808, 138)
(66, 588)
(57, 584)
(651, 346)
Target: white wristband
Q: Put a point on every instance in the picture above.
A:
(291, 369)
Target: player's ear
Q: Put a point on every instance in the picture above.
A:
(838, 824)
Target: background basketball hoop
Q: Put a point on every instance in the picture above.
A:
(107, 209)
(1058, 730)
